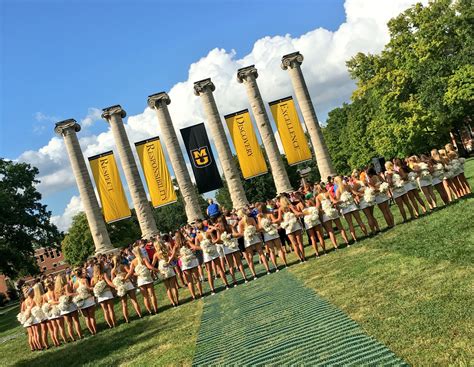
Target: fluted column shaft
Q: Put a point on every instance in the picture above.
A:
(237, 194)
(248, 76)
(67, 129)
(114, 116)
(292, 62)
(159, 102)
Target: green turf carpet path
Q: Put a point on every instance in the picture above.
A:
(276, 320)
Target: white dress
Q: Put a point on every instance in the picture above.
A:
(105, 296)
(209, 250)
(166, 270)
(88, 303)
(193, 263)
(311, 219)
(252, 240)
(70, 309)
(295, 227)
(143, 278)
(267, 236)
(329, 212)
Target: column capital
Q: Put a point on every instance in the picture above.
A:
(291, 60)
(201, 86)
(156, 100)
(248, 72)
(62, 127)
(113, 110)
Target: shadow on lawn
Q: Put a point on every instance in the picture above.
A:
(101, 349)
(8, 320)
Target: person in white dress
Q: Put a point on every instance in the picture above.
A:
(188, 261)
(440, 172)
(141, 268)
(162, 260)
(64, 291)
(459, 176)
(227, 237)
(28, 319)
(365, 198)
(40, 318)
(423, 168)
(247, 229)
(205, 242)
(55, 318)
(288, 217)
(399, 194)
(102, 286)
(268, 224)
(124, 288)
(84, 299)
(381, 189)
(348, 206)
(329, 214)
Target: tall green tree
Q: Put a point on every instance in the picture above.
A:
(25, 223)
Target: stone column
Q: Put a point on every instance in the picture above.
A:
(204, 88)
(159, 102)
(114, 115)
(248, 76)
(292, 62)
(68, 129)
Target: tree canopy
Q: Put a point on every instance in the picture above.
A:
(414, 93)
(24, 222)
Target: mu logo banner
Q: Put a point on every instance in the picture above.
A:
(201, 157)
(200, 154)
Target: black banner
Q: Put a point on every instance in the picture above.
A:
(201, 157)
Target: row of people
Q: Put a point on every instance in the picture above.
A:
(222, 243)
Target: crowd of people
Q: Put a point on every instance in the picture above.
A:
(216, 248)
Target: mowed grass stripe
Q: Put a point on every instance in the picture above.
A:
(278, 321)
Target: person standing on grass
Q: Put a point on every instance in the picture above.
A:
(55, 318)
(188, 260)
(102, 290)
(141, 268)
(124, 288)
(365, 200)
(64, 291)
(399, 194)
(205, 242)
(87, 302)
(288, 216)
(164, 259)
(268, 224)
(411, 188)
(227, 236)
(381, 195)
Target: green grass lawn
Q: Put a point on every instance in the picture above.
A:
(410, 287)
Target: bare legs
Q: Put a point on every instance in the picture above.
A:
(89, 314)
(328, 227)
(361, 224)
(109, 313)
(210, 278)
(317, 232)
(60, 324)
(402, 201)
(415, 197)
(442, 192)
(296, 239)
(192, 275)
(387, 214)
(171, 285)
(373, 224)
(148, 293)
(430, 196)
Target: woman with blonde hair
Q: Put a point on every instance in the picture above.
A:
(124, 288)
(268, 223)
(382, 199)
(189, 262)
(84, 299)
(227, 235)
(410, 185)
(423, 168)
(56, 321)
(205, 241)
(349, 209)
(458, 170)
(247, 228)
(365, 197)
(40, 318)
(64, 292)
(141, 267)
(329, 214)
(441, 177)
(27, 319)
(163, 258)
(399, 194)
(288, 217)
(451, 189)
(102, 291)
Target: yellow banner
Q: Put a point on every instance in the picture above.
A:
(250, 156)
(290, 131)
(108, 183)
(156, 172)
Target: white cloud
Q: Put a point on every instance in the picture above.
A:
(324, 69)
(63, 222)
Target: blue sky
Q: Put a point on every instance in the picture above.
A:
(69, 59)
(61, 57)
